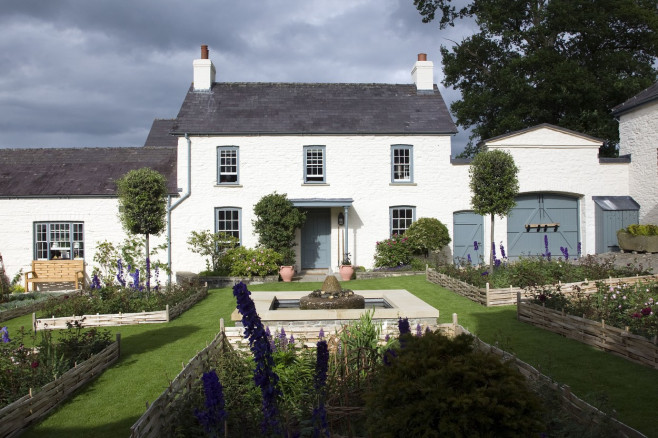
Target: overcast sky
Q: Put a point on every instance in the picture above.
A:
(86, 73)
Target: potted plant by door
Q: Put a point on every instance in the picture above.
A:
(346, 269)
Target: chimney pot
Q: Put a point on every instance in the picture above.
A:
(422, 56)
(204, 51)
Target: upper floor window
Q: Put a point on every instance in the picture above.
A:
(401, 219)
(227, 220)
(59, 240)
(402, 164)
(227, 164)
(314, 164)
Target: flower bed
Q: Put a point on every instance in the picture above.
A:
(29, 363)
(117, 319)
(28, 305)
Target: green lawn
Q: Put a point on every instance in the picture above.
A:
(152, 355)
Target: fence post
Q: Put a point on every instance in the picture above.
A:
(454, 324)
(487, 295)
(118, 337)
(518, 304)
(221, 325)
(34, 322)
(167, 309)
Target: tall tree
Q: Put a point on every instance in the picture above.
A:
(143, 202)
(565, 62)
(494, 185)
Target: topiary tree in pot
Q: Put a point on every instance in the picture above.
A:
(276, 223)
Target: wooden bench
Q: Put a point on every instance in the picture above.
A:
(56, 271)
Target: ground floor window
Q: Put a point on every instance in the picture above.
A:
(227, 220)
(58, 240)
(401, 218)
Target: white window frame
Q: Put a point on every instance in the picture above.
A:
(235, 226)
(317, 165)
(228, 173)
(409, 217)
(61, 239)
(402, 163)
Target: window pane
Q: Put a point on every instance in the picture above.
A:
(401, 219)
(314, 164)
(59, 240)
(228, 221)
(228, 165)
(402, 164)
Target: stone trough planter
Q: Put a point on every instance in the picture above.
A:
(631, 243)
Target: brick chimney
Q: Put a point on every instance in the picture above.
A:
(204, 71)
(423, 73)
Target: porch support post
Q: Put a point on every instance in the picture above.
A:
(347, 229)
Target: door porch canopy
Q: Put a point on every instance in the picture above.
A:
(345, 203)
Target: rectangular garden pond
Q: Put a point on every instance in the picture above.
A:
(280, 309)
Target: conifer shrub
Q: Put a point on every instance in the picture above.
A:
(434, 386)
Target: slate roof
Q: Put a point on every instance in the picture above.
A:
(78, 171)
(648, 95)
(159, 134)
(309, 108)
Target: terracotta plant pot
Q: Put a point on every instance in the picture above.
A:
(286, 273)
(346, 272)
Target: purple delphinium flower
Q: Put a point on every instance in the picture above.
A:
(291, 341)
(470, 262)
(389, 356)
(95, 282)
(547, 254)
(475, 245)
(148, 273)
(120, 278)
(565, 252)
(321, 334)
(264, 376)
(135, 277)
(157, 281)
(403, 326)
(5, 335)
(579, 248)
(212, 419)
(320, 427)
(419, 330)
(283, 340)
(502, 251)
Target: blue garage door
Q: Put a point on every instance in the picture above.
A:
(541, 218)
(467, 229)
(316, 239)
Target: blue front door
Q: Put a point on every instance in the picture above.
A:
(316, 239)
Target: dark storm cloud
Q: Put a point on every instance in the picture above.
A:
(96, 73)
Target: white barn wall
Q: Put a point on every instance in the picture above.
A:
(638, 135)
(550, 161)
(100, 217)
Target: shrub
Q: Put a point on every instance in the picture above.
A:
(642, 230)
(442, 387)
(395, 251)
(276, 222)
(213, 246)
(427, 234)
(246, 262)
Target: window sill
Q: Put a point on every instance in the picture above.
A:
(315, 184)
(229, 185)
(402, 184)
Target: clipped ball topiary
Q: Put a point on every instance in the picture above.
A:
(440, 387)
(427, 234)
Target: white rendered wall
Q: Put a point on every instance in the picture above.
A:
(638, 135)
(100, 217)
(358, 167)
(562, 163)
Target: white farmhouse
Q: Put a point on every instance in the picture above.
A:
(364, 161)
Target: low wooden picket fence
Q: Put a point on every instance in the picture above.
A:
(31, 408)
(153, 423)
(118, 319)
(490, 297)
(617, 341)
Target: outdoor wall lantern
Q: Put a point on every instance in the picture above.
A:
(341, 219)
